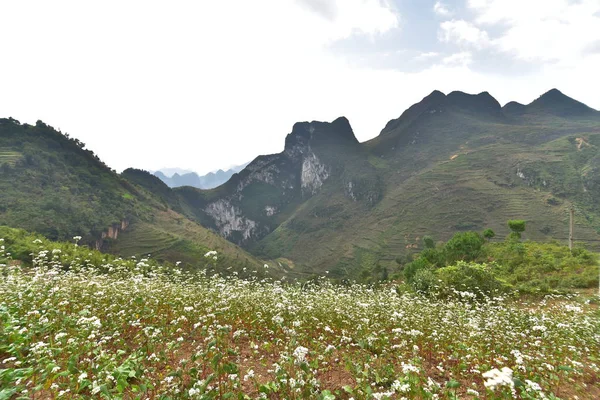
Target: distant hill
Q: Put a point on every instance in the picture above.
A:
(449, 163)
(208, 181)
(50, 184)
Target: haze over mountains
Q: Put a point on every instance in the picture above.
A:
(176, 177)
(327, 202)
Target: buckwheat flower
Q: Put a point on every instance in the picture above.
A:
(194, 391)
(497, 378)
(95, 387)
(400, 387)
(472, 392)
(249, 375)
(406, 368)
(300, 354)
(533, 386)
(82, 376)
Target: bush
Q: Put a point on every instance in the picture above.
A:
(468, 280)
(464, 246)
(471, 277)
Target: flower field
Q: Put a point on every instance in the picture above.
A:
(128, 329)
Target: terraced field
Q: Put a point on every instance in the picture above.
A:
(9, 157)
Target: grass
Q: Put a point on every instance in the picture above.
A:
(428, 193)
(9, 157)
(131, 329)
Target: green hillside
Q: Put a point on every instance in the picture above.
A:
(449, 163)
(52, 185)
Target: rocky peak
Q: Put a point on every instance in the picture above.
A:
(514, 108)
(317, 133)
(437, 102)
(557, 103)
(482, 102)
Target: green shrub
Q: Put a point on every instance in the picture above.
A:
(464, 246)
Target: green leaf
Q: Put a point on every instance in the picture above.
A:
(6, 394)
(452, 384)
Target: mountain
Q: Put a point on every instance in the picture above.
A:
(449, 163)
(52, 185)
(169, 172)
(208, 181)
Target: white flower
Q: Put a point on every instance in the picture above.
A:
(400, 387)
(249, 375)
(300, 354)
(82, 376)
(210, 254)
(497, 378)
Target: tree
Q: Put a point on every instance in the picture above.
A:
(428, 242)
(488, 234)
(517, 226)
(464, 246)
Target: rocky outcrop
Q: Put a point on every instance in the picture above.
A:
(244, 212)
(314, 173)
(229, 219)
(111, 233)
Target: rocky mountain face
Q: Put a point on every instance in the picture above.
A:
(327, 202)
(255, 201)
(449, 163)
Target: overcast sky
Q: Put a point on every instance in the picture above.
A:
(207, 84)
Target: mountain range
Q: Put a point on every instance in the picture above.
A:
(449, 163)
(211, 180)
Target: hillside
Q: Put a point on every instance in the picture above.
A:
(52, 185)
(449, 163)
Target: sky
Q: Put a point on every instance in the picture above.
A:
(208, 84)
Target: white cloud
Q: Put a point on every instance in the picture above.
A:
(427, 56)
(346, 17)
(462, 59)
(557, 31)
(202, 85)
(463, 33)
(188, 84)
(441, 9)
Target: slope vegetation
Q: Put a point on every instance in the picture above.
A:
(52, 185)
(449, 163)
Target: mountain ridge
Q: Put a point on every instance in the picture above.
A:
(447, 163)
